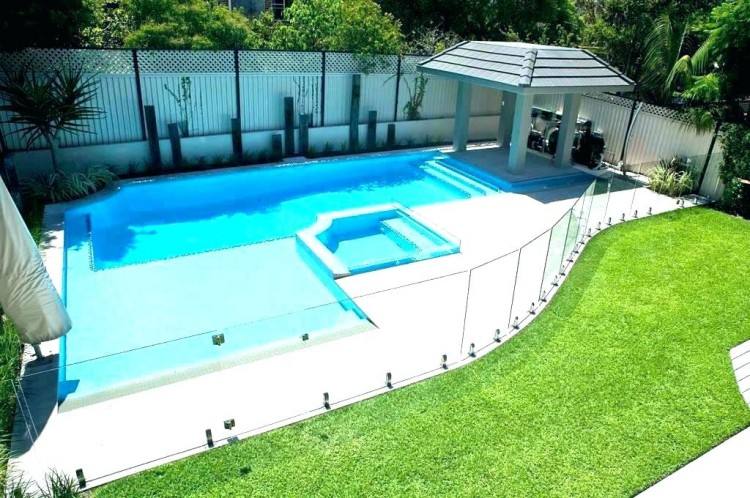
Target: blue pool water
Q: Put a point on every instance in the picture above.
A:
(156, 270)
(159, 220)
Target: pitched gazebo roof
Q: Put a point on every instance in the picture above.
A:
(527, 68)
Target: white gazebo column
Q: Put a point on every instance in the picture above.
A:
(520, 135)
(505, 126)
(567, 132)
(461, 120)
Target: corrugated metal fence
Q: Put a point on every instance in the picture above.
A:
(656, 132)
(206, 89)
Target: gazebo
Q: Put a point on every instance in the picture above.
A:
(520, 71)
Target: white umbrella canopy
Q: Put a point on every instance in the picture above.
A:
(26, 291)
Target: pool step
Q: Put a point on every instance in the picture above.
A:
(404, 228)
(458, 180)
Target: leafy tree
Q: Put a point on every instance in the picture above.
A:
(430, 41)
(185, 24)
(45, 23)
(618, 31)
(735, 139)
(715, 76)
(345, 25)
(543, 21)
(715, 82)
(664, 45)
(459, 16)
(111, 24)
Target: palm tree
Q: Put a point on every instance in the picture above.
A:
(46, 105)
(670, 72)
(664, 44)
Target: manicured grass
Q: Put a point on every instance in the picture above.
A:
(623, 379)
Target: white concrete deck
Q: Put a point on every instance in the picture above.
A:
(494, 160)
(740, 356)
(419, 309)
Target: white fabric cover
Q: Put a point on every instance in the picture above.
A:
(27, 295)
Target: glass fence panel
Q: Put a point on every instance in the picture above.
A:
(620, 199)
(571, 234)
(600, 195)
(412, 328)
(489, 300)
(531, 269)
(558, 236)
(105, 414)
(26, 417)
(583, 221)
(647, 202)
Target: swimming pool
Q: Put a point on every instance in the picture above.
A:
(175, 277)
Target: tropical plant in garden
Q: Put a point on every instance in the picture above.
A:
(413, 106)
(713, 79)
(735, 168)
(44, 107)
(61, 186)
(672, 178)
(184, 100)
(664, 45)
(55, 485)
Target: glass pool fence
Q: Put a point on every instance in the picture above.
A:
(394, 336)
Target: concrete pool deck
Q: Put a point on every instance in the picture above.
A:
(419, 310)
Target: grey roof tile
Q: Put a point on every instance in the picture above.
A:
(527, 65)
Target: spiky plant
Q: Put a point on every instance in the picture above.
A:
(60, 186)
(672, 178)
(663, 48)
(46, 105)
(59, 485)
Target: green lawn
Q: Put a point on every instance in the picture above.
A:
(623, 379)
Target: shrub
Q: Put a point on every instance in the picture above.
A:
(672, 178)
(735, 140)
(56, 485)
(60, 485)
(60, 186)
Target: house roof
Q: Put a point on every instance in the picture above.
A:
(527, 68)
